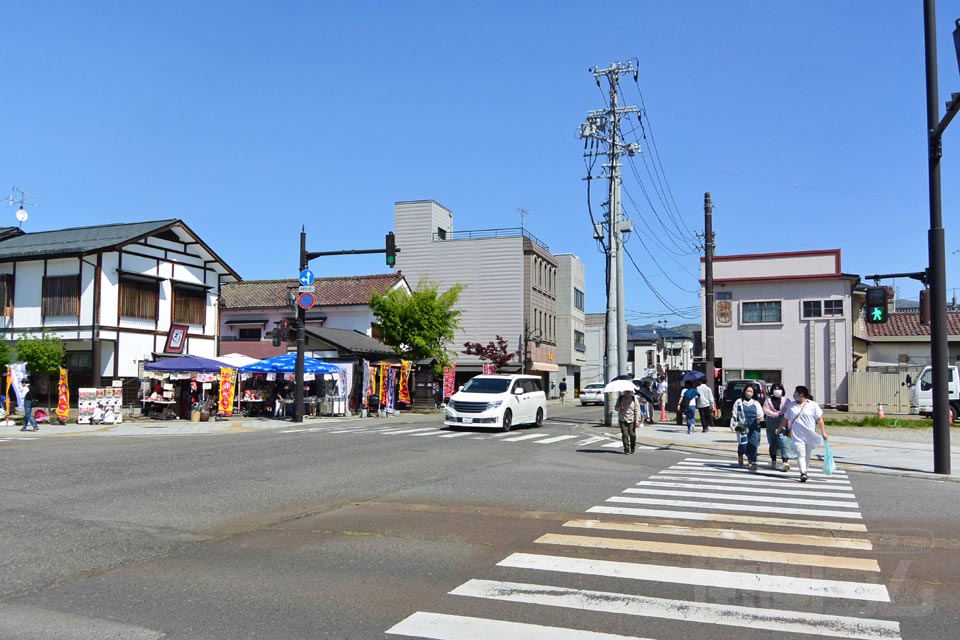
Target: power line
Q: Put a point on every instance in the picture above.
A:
(654, 290)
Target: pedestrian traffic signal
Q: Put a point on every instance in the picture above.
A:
(876, 308)
(276, 336)
(391, 249)
(285, 331)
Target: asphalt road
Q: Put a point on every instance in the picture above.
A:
(340, 532)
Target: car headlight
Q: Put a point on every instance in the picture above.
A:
(449, 416)
(494, 405)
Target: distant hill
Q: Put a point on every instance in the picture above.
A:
(682, 329)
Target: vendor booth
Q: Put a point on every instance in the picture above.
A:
(179, 387)
(269, 387)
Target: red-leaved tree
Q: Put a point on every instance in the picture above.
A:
(496, 351)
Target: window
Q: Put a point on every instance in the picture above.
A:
(376, 331)
(79, 361)
(6, 294)
(578, 299)
(759, 312)
(723, 295)
(441, 233)
(833, 307)
(189, 305)
(249, 333)
(579, 341)
(61, 296)
(812, 309)
(139, 298)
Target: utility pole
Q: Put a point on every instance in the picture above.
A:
(604, 126)
(708, 248)
(301, 336)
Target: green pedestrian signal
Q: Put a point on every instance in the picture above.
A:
(391, 249)
(876, 307)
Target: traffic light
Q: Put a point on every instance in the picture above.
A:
(276, 336)
(925, 307)
(876, 305)
(391, 249)
(285, 331)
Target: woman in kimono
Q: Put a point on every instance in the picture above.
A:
(804, 416)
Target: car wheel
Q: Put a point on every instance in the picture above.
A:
(507, 421)
(539, 417)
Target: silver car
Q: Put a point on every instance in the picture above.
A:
(592, 394)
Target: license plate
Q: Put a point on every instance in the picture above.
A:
(468, 421)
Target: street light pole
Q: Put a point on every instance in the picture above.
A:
(301, 337)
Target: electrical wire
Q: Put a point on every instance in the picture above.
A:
(655, 292)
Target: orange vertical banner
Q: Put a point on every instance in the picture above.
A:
(403, 394)
(228, 388)
(63, 397)
(384, 383)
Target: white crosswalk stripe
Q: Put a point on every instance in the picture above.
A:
(740, 473)
(529, 436)
(555, 439)
(713, 536)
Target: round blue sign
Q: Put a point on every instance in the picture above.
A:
(306, 277)
(306, 300)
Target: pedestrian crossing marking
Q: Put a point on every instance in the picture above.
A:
(779, 620)
(697, 504)
(403, 431)
(784, 490)
(528, 436)
(741, 496)
(741, 473)
(458, 434)
(555, 439)
(726, 534)
(723, 517)
(701, 577)
(715, 461)
(495, 435)
(592, 440)
(437, 626)
(700, 551)
(785, 482)
(726, 467)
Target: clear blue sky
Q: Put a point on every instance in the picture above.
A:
(248, 119)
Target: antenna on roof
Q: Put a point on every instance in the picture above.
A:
(523, 216)
(19, 196)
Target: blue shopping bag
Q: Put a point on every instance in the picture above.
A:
(787, 450)
(829, 466)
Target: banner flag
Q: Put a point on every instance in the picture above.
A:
(63, 397)
(384, 384)
(404, 394)
(228, 388)
(449, 380)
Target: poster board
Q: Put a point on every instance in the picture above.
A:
(104, 404)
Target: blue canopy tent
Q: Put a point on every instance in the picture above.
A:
(185, 364)
(287, 363)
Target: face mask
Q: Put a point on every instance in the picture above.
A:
(748, 395)
(777, 393)
(796, 397)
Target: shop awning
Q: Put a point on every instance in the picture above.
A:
(544, 366)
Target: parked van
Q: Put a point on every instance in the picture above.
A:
(498, 401)
(921, 392)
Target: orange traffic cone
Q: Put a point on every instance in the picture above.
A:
(663, 413)
(880, 415)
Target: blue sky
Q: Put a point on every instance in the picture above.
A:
(805, 120)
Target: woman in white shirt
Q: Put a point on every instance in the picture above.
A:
(804, 416)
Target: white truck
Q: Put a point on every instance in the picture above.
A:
(921, 392)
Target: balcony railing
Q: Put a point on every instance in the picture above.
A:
(510, 232)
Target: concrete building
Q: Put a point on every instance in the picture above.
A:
(592, 370)
(511, 280)
(571, 326)
(902, 344)
(118, 295)
(786, 317)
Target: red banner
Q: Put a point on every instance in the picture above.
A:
(227, 390)
(63, 397)
(449, 380)
(489, 369)
(403, 394)
(384, 383)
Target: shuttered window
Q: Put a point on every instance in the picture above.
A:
(6, 294)
(61, 296)
(139, 298)
(189, 305)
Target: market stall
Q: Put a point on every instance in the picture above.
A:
(322, 394)
(184, 382)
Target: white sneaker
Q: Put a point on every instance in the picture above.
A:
(786, 467)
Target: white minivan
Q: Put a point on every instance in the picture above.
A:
(921, 393)
(498, 401)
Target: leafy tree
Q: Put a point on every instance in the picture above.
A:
(494, 351)
(419, 324)
(43, 356)
(4, 353)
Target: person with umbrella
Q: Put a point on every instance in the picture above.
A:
(688, 403)
(628, 408)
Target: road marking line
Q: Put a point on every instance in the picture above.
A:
(301, 430)
(458, 434)
(739, 473)
(779, 620)
(788, 491)
(436, 432)
(438, 626)
(584, 443)
(745, 498)
(402, 431)
(786, 482)
(555, 439)
(697, 504)
(726, 534)
(701, 577)
(496, 435)
(724, 517)
(528, 436)
(612, 445)
(355, 430)
(814, 473)
(700, 551)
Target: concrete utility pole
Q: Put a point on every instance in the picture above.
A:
(604, 126)
(708, 248)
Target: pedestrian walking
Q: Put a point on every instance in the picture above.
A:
(662, 393)
(688, 404)
(647, 398)
(706, 405)
(747, 420)
(628, 408)
(563, 391)
(28, 398)
(803, 417)
(773, 408)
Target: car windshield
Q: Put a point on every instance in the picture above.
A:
(593, 387)
(487, 385)
(735, 390)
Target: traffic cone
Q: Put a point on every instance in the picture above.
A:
(663, 413)
(880, 415)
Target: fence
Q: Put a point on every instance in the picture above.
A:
(867, 389)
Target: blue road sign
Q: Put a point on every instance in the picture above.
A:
(306, 277)
(306, 300)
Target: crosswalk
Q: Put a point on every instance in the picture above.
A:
(703, 548)
(606, 440)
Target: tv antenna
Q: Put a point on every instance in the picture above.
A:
(523, 216)
(18, 196)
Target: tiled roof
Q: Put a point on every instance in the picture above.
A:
(349, 340)
(254, 294)
(78, 240)
(908, 325)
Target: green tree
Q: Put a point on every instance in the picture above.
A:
(419, 324)
(4, 353)
(43, 355)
